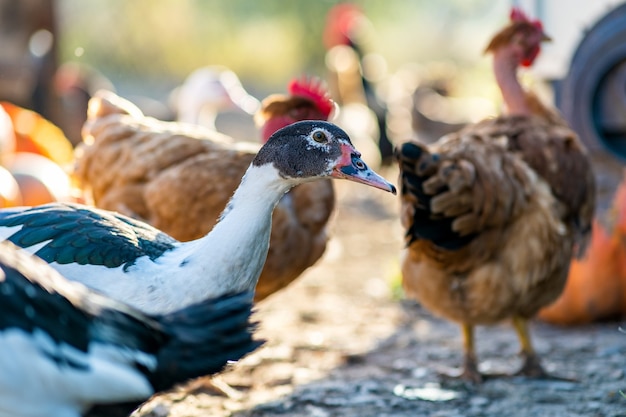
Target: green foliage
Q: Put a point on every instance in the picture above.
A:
(266, 41)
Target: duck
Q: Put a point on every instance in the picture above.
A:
(68, 351)
(133, 262)
(137, 165)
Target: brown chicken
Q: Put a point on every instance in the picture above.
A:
(179, 177)
(494, 212)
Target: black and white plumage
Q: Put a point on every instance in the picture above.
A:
(137, 264)
(66, 349)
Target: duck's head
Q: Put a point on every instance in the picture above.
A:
(312, 149)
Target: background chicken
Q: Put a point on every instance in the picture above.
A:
(139, 166)
(208, 90)
(494, 212)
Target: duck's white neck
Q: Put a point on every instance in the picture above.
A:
(234, 252)
(505, 70)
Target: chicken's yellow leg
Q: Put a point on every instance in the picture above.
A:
(532, 365)
(470, 365)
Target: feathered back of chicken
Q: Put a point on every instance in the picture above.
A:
(123, 150)
(558, 156)
(459, 183)
(454, 208)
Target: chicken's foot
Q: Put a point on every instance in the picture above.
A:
(531, 366)
(470, 370)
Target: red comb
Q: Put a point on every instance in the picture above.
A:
(314, 89)
(517, 15)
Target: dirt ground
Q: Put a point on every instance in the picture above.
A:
(341, 341)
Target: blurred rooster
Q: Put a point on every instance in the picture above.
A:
(495, 212)
(362, 111)
(179, 177)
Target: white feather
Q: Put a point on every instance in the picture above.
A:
(63, 391)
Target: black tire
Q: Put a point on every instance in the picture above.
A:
(593, 94)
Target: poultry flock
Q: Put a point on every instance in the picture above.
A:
(137, 166)
(494, 212)
(133, 263)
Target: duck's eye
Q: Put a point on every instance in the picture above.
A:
(319, 136)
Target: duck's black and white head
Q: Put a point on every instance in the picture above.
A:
(313, 149)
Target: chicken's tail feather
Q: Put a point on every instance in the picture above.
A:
(429, 188)
(105, 102)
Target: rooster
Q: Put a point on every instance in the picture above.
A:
(69, 351)
(494, 212)
(138, 166)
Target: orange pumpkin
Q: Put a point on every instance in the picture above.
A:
(7, 137)
(35, 134)
(10, 195)
(40, 180)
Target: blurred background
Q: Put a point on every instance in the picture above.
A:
(155, 44)
(420, 64)
(144, 49)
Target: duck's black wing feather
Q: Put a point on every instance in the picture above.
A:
(84, 235)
